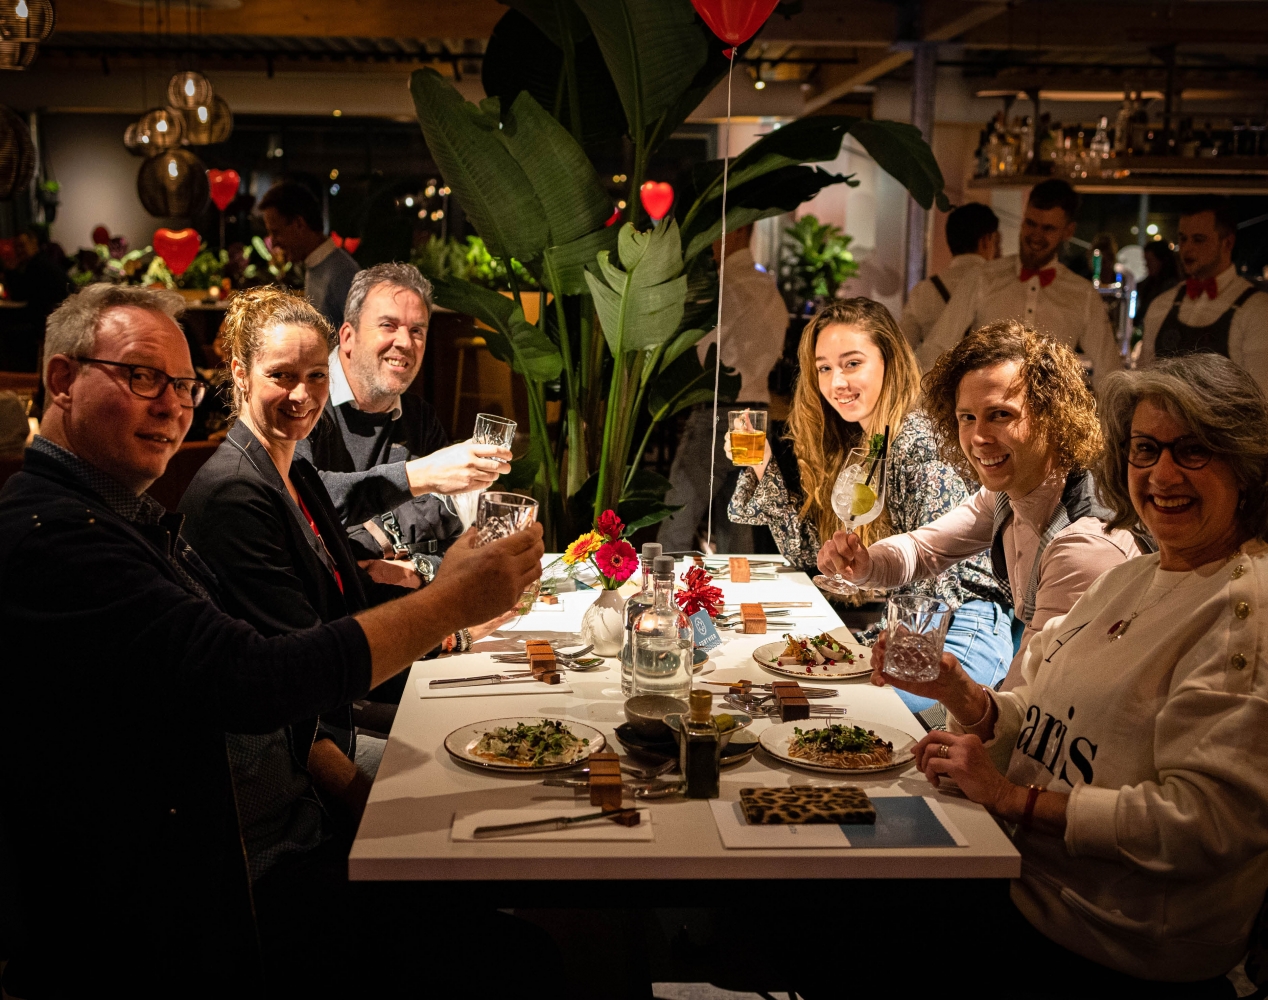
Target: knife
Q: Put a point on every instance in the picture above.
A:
(481, 679)
(557, 823)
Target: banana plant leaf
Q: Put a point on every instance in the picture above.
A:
(558, 20)
(523, 55)
(701, 308)
(564, 267)
(773, 193)
(490, 307)
(640, 306)
(653, 49)
(535, 354)
(686, 383)
(492, 188)
(641, 505)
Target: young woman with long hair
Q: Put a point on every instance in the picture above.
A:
(858, 376)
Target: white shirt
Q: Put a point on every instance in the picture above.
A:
(341, 390)
(1158, 738)
(1068, 310)
(754, 321)
(925, 303)
(1247, 335)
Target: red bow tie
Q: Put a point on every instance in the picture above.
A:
(1046, 276)
(1194, 287)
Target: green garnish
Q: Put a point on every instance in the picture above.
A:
(874, 445)
(547, 742)
(839, 739)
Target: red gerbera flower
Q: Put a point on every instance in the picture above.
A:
(699, 593)
(610, 526)
(617, 560)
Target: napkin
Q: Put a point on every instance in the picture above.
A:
(482, 690)
(464, 824)
(901, 821)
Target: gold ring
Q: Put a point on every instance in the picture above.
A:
(944, 750)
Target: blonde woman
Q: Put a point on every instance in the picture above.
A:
(858, 375)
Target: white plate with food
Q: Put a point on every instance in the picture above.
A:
(855, 747)
(525, 744)
(834, 655)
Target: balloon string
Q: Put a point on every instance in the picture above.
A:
(717, 366)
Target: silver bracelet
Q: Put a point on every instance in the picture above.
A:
(464, 641)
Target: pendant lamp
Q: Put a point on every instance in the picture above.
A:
(189, 90)
(161, 128)
(173, 184)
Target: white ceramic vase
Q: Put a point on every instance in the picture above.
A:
(604, 623)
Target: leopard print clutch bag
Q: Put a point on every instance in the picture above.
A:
(807, 804)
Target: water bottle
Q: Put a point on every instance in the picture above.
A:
(663, 640)
(634, 607)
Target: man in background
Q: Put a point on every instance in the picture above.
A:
(973, 238)
(755, 320)
(30, 276)
(1034, 288)
(1214, 310)
(292, 217)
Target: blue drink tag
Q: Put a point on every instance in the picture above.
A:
(703, 631)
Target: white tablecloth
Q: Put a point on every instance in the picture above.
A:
(405, 833)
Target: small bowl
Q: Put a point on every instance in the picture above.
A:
(646, 715)
(673, 720)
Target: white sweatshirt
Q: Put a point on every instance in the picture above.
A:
(1161, 739)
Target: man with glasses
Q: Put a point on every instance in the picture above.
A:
(121, 820)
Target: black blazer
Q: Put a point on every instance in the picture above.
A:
(273, 571)
(135, 863)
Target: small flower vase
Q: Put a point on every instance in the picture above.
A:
(604, 623)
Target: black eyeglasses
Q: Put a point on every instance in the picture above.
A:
(151, 383)
(1187, 452)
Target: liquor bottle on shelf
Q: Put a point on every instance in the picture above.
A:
(663, 641)
(1100, 149)
(634, 607)
(1122, 125)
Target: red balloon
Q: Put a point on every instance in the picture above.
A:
(657, 198)
(177, 247)
(224, 186)
(734, 21)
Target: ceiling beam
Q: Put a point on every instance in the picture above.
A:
(945, 22)
(1083, 25)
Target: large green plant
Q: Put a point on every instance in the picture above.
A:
(622, 306)
(814, 260)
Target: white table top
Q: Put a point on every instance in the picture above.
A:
(404, 834)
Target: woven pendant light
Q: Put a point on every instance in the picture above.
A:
(207, 124)
(23, 25)
(132, 142)
(161, 128)
(189, 90)
(17, 154)
(173, 184)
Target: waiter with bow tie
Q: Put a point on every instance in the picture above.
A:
(1214, 310)
(1034, 288)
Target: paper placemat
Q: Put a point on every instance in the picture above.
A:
(464, 824)
(901, 821)
(483, 690)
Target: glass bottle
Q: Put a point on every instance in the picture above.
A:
(1100, 145)
(634, 607)
(663, 639)
(700, 748)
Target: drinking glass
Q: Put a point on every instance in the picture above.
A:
(858, 497)
(916, 632)
(500, 515)
(748, 436)
(489, 429)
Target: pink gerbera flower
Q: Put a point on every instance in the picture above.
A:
(616, 560)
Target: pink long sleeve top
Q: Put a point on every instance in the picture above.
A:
(1076, 556)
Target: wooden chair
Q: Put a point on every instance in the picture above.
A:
(181, 470)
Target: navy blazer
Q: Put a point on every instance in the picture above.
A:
(122, 822)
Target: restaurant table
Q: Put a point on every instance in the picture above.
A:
(405, 831)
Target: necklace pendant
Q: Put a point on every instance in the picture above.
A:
(1117, 630)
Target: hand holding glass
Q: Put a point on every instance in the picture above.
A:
(489, 429)
(858, 497)
(915, 634)
(500, 515)
(748, 436)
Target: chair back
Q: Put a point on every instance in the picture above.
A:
(171, 486)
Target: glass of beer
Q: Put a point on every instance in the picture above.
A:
(748, 436)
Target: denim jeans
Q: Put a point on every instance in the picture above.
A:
(981, 639)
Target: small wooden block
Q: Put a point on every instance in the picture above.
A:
(546, 660)
(551, 677)
(628, 817)
(793, 708)
(605, 791)
(604, 763)
(740, 570)
(743, 687)
(538, 646)
(698, 560)
(785, 689)
(549, 598)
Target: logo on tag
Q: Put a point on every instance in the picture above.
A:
(704, 632)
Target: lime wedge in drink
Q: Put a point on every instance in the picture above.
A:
(864, 500)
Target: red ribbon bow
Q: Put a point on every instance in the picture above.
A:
(1194, 287)
(1046, 276)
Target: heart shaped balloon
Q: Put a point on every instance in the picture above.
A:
(657, 198)
(734, 21)
(224, 186)
(177, 247)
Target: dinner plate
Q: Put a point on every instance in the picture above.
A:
(768, 657)
(462, 741)
(775, 742)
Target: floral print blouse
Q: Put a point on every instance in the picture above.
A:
(920, 488)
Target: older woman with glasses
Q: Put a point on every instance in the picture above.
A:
(1132, 757)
